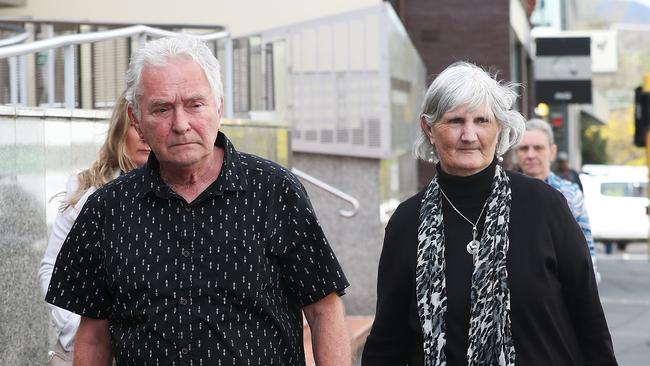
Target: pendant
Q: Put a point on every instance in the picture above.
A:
(472, 247)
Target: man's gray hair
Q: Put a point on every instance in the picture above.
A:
(465, 84)
(164, 50)
(540, 125)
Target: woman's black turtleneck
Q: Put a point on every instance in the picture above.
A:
(468, 194)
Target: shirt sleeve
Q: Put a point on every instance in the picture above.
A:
(579, 211)
(78, 282)
(309, 269)
(580, 291)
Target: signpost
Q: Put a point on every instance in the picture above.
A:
(563, 70)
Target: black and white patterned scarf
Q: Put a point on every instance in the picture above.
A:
(490, 335)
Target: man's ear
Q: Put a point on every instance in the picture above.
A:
(553, 152)
(134, 120)
(221, 109)
(427, 129)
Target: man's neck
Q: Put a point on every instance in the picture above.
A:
(189, 182)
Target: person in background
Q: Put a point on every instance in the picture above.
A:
(206, 255)
(563, 170)
(535, 153)
(122, 151)
(485, 266)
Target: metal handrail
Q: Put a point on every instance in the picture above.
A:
(335, 191)
(20, 37)
(75, 39)
(17, 55)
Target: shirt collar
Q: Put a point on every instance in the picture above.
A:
(231, 177)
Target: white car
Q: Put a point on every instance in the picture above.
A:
(617, 202)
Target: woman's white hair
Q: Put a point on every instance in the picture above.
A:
(465, 84)
(161, 52)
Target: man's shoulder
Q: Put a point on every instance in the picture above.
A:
(127, 184)
(256, 166)
(568, 188)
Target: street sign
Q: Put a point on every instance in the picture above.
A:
(563, 70)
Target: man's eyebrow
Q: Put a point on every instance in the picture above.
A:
(196, 97)
(158, 102)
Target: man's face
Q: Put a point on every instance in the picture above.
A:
(535, 154)
(179, 116)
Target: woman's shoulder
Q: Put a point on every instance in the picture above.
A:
(533, 192)
(407, 212)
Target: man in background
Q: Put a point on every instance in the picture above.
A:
(535, 153)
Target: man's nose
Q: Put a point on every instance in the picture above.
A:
(181, 121)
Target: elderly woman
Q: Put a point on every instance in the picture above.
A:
(485, 266)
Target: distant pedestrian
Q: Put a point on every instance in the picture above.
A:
(563, 170)
(535, 153)
(485, 266)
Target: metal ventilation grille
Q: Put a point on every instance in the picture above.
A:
(342, 135)
(327, 136)
(374, 132)
(336, 112)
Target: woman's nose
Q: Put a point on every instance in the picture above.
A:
(468, 132)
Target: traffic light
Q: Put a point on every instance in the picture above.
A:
(641, 116)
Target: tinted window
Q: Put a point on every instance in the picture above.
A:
(624, 189)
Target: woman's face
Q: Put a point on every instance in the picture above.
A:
(136, 149)
(465, 139)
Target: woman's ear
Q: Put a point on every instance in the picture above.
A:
(428, 130)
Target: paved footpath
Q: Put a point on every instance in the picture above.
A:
(625, 295)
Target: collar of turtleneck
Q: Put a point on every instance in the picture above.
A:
(469, 187)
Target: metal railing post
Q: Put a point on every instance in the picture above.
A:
(13, 80)
(142, 40)
(229, 91)
(51, 80)
(22, 79)
(68, 76)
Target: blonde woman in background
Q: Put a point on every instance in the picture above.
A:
(122, 151)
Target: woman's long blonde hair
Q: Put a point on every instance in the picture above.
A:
(112, 155)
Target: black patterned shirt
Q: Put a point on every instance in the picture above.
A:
(218, 281)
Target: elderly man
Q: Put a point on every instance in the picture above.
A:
(535, 153)
(206, 255)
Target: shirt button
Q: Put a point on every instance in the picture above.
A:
(188, 208)
(184, 351)
(185, 253)
(183, 301)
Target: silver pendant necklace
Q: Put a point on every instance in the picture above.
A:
(472, 246)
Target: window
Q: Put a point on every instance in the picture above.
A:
(624, 189)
